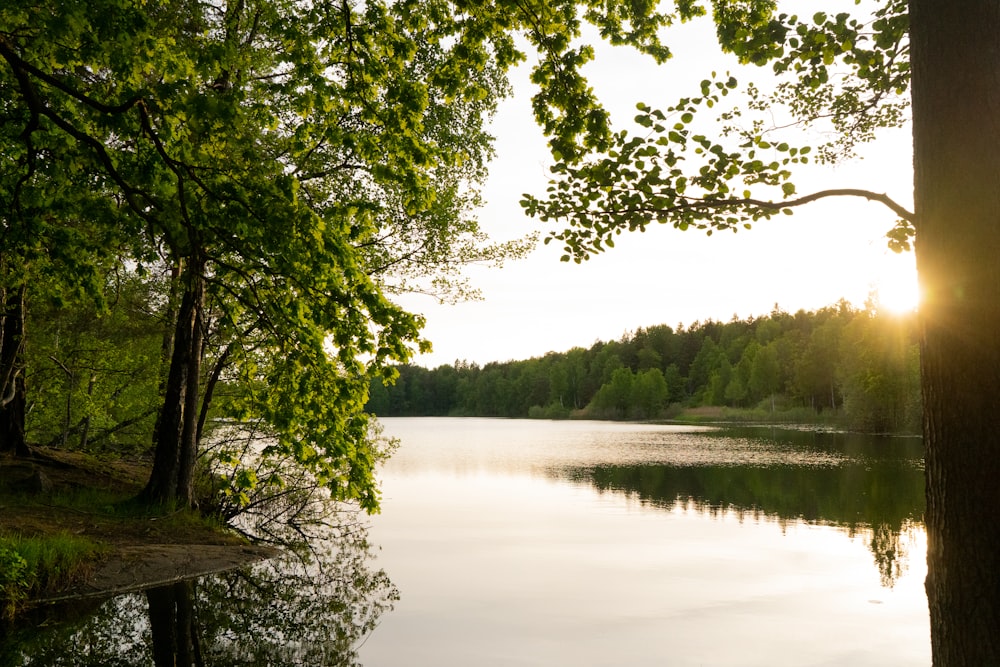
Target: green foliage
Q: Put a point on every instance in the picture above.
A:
(95, 376)
(29, 566)
(14, 581)
(613, 398)
(649, 393)
(880, 375)
(858, 365)
(765, 373)
(847, 76)
(293, 164)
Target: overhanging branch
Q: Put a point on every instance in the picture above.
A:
(881, 198)
(734, 203)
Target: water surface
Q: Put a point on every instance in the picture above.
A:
(581, 543)
(508, 543)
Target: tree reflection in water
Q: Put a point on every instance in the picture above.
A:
(867, 486)
(880, 501)
(313, 607)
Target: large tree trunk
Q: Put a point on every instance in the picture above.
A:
(176, 435)
(13, 394)
(956, 107)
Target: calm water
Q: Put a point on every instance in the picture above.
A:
(576, 543)
(505, 542)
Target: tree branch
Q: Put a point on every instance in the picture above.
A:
(20, 65)
(692, 203)
(881, 198)
(104, 158)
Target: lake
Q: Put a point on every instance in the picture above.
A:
(586, 543)
(523, 542)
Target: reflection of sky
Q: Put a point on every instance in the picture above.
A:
(499, 565)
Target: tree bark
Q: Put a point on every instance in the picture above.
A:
(13, 393)
(955, 58)
(175, 438)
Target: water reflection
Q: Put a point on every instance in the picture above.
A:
(513, 545)
(870, 487)
(314, 608)
(518, 542)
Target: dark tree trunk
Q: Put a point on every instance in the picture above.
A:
(13, 394)
(956, 107)
(85, 424)
(176, 434)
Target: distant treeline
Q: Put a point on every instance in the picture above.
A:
(859, 365)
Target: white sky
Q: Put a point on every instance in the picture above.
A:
(831, 249)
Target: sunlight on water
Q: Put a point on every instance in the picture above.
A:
(518, 445)
(540, 543)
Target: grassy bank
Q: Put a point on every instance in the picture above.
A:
(64, 513)
(33, 566)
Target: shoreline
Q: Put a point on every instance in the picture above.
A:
(79, 505)
(132, 568)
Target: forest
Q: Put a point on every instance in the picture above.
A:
(855, 367)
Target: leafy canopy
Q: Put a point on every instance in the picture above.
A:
(292, 155)
(845, 74)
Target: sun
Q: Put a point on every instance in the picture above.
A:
(897, 285)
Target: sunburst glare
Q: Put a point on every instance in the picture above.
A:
(897, 287)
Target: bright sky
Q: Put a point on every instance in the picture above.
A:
(831, 249)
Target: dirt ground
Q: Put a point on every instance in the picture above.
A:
(140, 551)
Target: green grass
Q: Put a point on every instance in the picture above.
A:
(49, 542)
(32, 565)
(122, 504)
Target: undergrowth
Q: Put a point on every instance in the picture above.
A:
(30, 566)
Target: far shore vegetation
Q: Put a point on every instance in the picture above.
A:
(842, 366)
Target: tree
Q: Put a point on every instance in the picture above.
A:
(765, 378)
(614, 398)
(946, 56)
(815, 368)
(649, 393)
(675, 384)
(718, 381)
(738, 390)
(709, 358)
(54, 241)
(956, 163)
(878, 373)
(284, 158)
(95, 377)
(12, 387)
